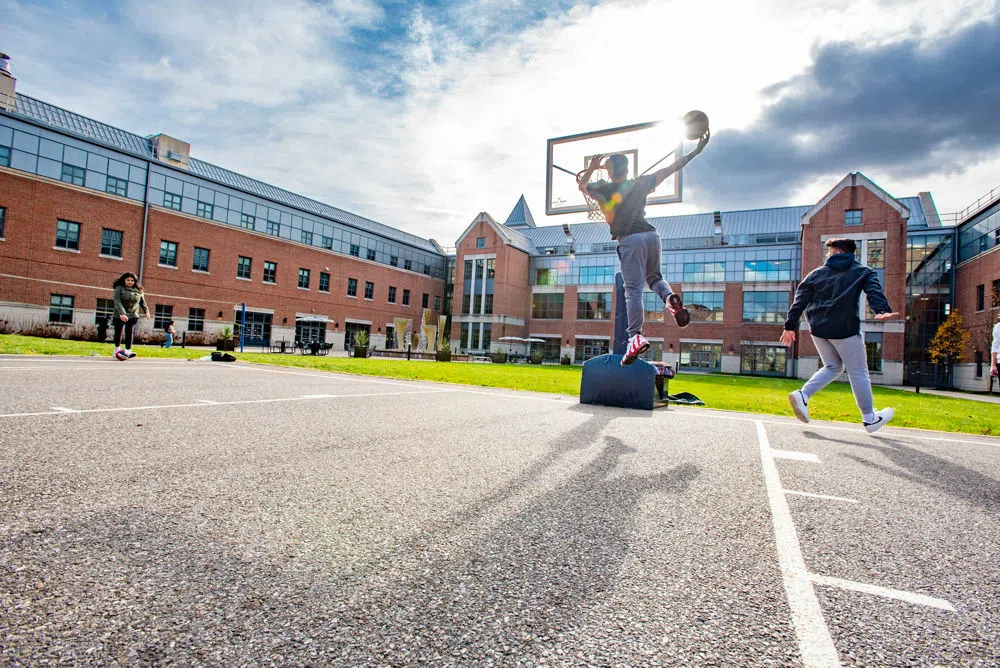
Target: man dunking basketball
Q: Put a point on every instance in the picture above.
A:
(623, 202)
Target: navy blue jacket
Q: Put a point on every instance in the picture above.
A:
(830, 295)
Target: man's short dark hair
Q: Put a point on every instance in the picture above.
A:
(843, 245)
(618, 165)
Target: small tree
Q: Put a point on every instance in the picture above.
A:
(949, 343)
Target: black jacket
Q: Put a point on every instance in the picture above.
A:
(830, 296)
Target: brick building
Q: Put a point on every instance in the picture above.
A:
(81, 202)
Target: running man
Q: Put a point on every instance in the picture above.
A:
(623, 202)
(830, 295)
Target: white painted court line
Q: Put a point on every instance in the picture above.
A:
(819, 496)
(815, 643)
(885, 592)
(208, 401)
(317, 396)
(61, 409)
(797, 456)
(119, 409)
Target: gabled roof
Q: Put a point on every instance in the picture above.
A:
(511, 237)
(45, 114)
(851, 180)
(520, 216)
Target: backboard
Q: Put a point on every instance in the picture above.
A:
(648, 147)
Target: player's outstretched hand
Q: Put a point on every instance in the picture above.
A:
(787, 337)
(886, 316)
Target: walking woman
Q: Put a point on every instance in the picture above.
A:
(130, 303)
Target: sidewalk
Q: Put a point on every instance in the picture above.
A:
(985, 398)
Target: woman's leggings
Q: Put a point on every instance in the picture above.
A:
(128, 326)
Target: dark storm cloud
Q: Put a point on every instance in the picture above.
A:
(900, 110)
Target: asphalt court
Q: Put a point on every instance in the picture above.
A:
(167, 511)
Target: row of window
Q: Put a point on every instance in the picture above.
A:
(994, 300)
(61, 311)
(761, 306)
(694, 272)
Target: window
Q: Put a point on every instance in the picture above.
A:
(324, 281)
(306, 237)
(67, 235)
(466, 302)
(587, 348)
(104, 310)
(196, 320)
(352, 287)
(200, 262)
(757, 360)
(873, 350)
(593, 306)
(547, 306)
(327, 243)
(172, 201)
(74, 175)
(4, 156)
(61, 308)
(369, 290)
(116, 186)
(423, 302)
(406, 297)
(652, 307)
(274, 229)
(205, 210)
(548, 276)
(852, 217)
(701, 356)
(270, 271)
(479, 269)
(168, 253)
(979, 364)
(767, 270)
(705, 306)
(371, 254)
(704, 272)
(407, 265)
(760, 306)
(355, 250)
(477, 304)
(3, 215)
(111, 242)
(247, 221)
(491, 271)
(243, 265)
(995, 296)
(427, 271)
(393, 261)
(597, 275)
(480, 242)
(392, 295)
(437, 303)
(303, 278)
(162, 315)
(980, 297)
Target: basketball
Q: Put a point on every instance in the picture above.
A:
(695, 124)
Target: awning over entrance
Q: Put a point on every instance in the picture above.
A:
(311, 318)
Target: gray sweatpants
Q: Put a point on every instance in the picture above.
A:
(838, 354)
(640, 258)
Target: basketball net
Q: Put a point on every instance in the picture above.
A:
(594, 212)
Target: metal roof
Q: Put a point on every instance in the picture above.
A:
(916, 207)
(763, 221)
(520, 215)
(110, 136)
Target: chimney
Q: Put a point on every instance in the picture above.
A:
(171, 151)
(7, 84)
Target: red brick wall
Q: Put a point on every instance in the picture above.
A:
(34, 204)
(981, 270)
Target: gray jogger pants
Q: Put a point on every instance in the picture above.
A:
(640, 259)
(838, 354)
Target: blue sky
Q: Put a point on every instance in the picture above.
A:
(421, 115)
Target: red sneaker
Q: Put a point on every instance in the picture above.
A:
(676, 307)
(637, 345)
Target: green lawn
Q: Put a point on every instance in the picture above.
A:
(738, 393)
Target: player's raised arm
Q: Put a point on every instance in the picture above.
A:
(660, 175)
(584, 177)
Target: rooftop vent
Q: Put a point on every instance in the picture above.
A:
(171, 151)
(7, 84)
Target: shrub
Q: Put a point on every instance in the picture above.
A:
(42, 329)
(200, 338)
(566, 359)
(498, 357)
(361, 338)
(6, 327)
(81, 333)
(536, 357)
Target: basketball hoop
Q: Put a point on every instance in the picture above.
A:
(594, 212)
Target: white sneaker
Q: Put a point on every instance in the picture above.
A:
(799, 406)
(882, 418)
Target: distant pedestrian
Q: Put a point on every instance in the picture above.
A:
(830, 296)
(170, 331)
(130, 303)
(102, 328)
